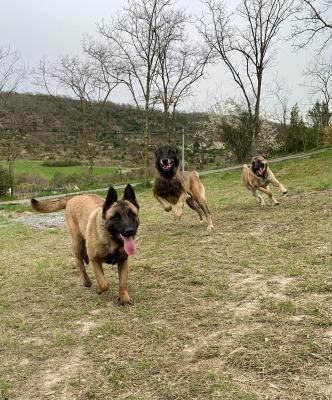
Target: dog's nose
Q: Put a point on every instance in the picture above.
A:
(164, 161)
(129, 232)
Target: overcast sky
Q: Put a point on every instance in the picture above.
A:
(38, 28)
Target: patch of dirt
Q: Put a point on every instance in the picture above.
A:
(259, 286)
(34, 340)
(85, 326)
(55, 376)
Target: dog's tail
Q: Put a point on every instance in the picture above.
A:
(48, 206)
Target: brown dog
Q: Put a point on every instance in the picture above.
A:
(258, 177)
(101, 231)
(172, 186)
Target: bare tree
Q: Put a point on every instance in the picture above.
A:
(181, 64)
(313, 20)
(12, 74)
(246, 52)
(281, 94)
(134, 35)
(320, 75)
(91, 82)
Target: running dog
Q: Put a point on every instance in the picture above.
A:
(174, 187)
(258, 177)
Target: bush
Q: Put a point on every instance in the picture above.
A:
(4, 182)
(61, 163)
(235, 128)
(32, 178)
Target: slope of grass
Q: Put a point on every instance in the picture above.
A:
(241, 314)
(35, 166)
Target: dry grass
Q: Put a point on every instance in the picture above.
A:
(240, 314)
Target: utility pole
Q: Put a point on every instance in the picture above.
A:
(182, 149)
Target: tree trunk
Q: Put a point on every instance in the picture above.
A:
(90, 171)
(146, 143)
(257, 122)
(11, 175)
(167, 126)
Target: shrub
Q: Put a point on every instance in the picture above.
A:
(61, 163)
(4, 182)
(32, 178)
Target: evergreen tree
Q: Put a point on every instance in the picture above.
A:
(296, 136)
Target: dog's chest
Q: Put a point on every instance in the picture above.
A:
(117, 255)
(165, 188)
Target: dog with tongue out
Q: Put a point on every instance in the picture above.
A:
(102, 231)
(258, 176)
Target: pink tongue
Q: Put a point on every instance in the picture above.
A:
(129, 245)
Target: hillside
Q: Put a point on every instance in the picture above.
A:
(48, 130)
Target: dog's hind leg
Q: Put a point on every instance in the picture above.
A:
(259, 197)
(201, 201)
(272, 198)
(194, 206)
(78, 246)
(267, 191)
(198, 194)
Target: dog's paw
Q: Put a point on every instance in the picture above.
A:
(87, 283)
(284, 193)
(276, 203)
(210, 228)
(177, 215)
(126, 300)
(103, 288)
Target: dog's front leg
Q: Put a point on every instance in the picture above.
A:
(103, 285)
(179, 206)
(165, 205)
(279, 185)
(123, 270)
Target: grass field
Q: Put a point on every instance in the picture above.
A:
(35, 166)
(241, 314)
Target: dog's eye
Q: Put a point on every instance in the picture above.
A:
(116, 217)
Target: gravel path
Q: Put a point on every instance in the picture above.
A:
(44, 221)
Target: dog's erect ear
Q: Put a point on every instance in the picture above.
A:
(129, 195)
(111, 198)
(156, 153)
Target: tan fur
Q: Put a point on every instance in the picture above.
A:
(192, 192)
(256, 183)
(90, 240)
(50, 205)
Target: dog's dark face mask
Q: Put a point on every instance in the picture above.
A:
(259, 166)
(167, 160)
(121, 218)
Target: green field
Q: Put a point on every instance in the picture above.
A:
(35, 166)
(241, 314)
